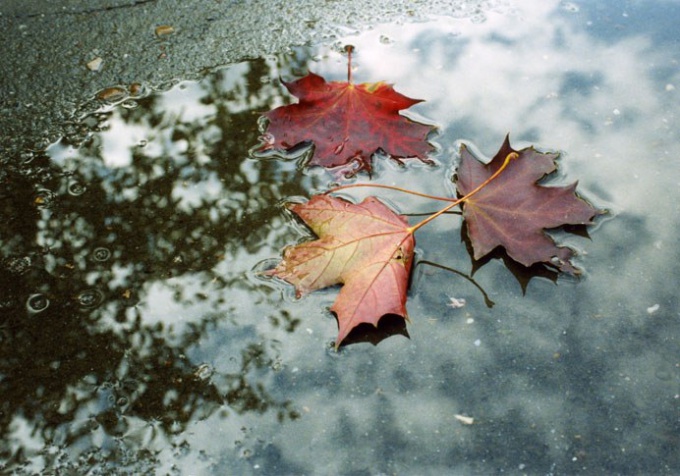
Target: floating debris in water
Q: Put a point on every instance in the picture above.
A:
(43, 199)
(465, 420)
(203, 372)
(456, 303)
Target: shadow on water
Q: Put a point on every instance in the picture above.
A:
(96, 237)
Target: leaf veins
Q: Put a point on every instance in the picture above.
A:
(366, 247)
(514, 210)
(347, 122)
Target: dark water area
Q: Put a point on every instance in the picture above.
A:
(137, 335)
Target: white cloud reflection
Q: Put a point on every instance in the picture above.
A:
(545, 76)
(541, 75)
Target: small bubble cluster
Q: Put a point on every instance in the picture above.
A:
(17, 265)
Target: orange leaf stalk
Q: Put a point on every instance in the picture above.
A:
(390, 187)
(349, 49)
(454, 202)
(508, 158)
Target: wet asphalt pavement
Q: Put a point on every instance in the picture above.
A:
(46, 84)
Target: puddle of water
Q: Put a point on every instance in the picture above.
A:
(138, 337)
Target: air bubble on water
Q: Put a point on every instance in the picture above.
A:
(76, 188)
(90, 298)
(386, 40)
(101, 254)
(37, 302)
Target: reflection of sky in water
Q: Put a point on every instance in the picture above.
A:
(578, 377)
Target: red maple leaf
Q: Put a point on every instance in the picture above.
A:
(347, 122)
(366, 247)
(513, 210)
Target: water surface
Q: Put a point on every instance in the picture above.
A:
(137, 336)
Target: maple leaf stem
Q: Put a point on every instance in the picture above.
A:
(349, 49)
(391, 187)
(508, 158)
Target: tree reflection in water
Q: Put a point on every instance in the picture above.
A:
(123, 254)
